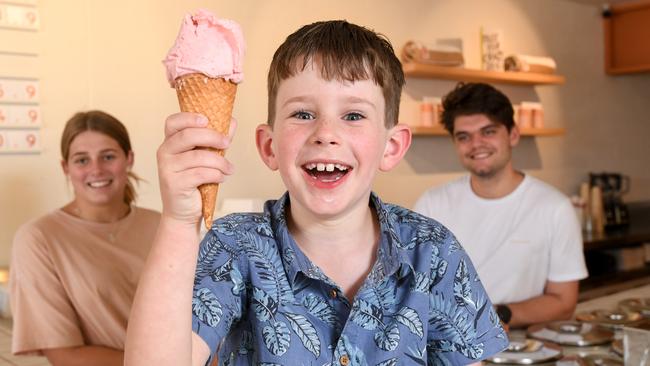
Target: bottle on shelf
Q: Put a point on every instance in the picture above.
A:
(430, 109)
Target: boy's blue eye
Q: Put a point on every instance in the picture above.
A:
(303, 115)
(353, 116)
(81, 161)
(109, 157)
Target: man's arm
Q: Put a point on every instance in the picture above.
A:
(558, 302)
(84, 355)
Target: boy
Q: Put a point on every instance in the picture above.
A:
(328, 274)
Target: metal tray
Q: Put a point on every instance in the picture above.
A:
(571, 333)
(527, 352)
(636, 305)
(607, 318)
(601, 360)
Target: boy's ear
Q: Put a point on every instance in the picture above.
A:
(397, 144)
(264, 142)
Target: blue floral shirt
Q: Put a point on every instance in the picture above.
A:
(268, 304)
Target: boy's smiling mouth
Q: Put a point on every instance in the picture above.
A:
(326, 172)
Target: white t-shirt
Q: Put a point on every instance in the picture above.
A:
(517, 242)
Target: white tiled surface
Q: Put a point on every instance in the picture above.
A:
(6, 358)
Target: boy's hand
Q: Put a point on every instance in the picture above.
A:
(182, 168)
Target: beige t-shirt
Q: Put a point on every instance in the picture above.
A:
(72, 281)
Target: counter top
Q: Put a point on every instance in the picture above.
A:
(637, 232)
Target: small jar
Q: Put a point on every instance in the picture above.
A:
(427, 114)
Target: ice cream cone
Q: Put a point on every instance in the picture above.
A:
(213, 98)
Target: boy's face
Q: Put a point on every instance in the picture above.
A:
(328, 141)
(484, 147)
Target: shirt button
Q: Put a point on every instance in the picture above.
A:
(345, 360)
(333, 293)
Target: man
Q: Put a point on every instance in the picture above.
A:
(521, 234)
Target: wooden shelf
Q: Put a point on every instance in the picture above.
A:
(474, 75)
(440, 131)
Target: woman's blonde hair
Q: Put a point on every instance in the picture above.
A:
(108, 125)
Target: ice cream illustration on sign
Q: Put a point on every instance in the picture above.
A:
(204, 66)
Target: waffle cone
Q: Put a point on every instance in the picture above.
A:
(213, 98)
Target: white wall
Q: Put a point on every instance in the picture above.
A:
(106, 55)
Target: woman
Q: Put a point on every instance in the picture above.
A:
(74, 271)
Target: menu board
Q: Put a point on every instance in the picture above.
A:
(19, 16)
(20, 141)
(20, 112)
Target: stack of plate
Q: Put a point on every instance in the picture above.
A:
(615, 319)
(527, 352)
(571, 333)
(641, 306)
(600, 360)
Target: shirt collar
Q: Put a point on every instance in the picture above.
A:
(390, 257)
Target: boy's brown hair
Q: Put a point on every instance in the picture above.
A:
(345, 52)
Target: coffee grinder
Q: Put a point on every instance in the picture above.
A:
(613, 186)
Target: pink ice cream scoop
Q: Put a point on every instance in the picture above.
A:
(205, 68)
(207, 45)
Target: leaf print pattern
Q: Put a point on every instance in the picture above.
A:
(453, 322)
(428, 233)
(417, 356)
(435, 359)
(462, 285)
(411, 320)
(389, 362)
(269, 266)
(421, 283)
(288, 255)
(208, 252)
(206, 307)
(237, 280)
(454, 246)
(243, 290)
(305, 331)
(222, 273)
(322, 310)
(355, 355)
(265, 307)
(366, 315)
(482, 303)
(276, 338)
(388, 338)
(438, 266)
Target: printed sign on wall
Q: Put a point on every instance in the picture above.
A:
(19, 90)
(20, 116)
(20, 112)
(19, 17)
(20, 141)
